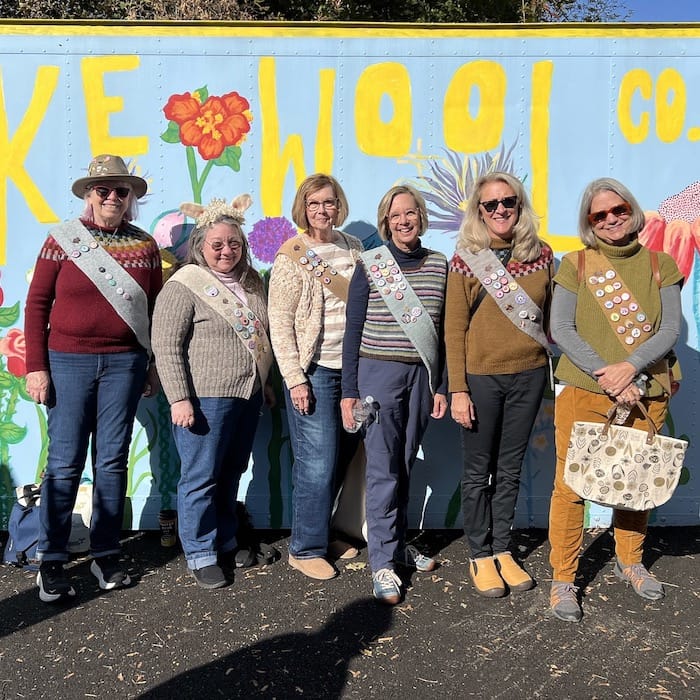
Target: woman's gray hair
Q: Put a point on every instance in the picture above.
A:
(385, 206)
(586, 232)
(247, 275)
(474, 235)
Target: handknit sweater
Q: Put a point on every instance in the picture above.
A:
(197, 351)
(488, 342)
(65, 311)
(295, 306)
(371, 329)
(632, 263)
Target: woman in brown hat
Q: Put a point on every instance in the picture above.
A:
(87, 328)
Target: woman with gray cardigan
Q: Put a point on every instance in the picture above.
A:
(213, 353)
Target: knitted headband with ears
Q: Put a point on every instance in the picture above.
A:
(207, 215)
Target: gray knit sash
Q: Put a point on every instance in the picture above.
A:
(247, 326)
(115, 284)
(510, 297)
(408, 310)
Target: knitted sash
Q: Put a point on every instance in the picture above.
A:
(115, 284)
(245, 323)
(315, 266)
(405, 306)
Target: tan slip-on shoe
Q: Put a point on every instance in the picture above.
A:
(337, 549)
(316, 567)
(485, 577)
(512, 573)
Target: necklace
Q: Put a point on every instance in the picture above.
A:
(107, 238)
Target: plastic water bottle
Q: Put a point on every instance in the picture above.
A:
(364, 414)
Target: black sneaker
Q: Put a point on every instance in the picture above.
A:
(109, 573)
(209, 577)
(53, 583)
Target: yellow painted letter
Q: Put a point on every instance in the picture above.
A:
(637, 79)
(671, 100)
(473, 134)
(99, 106)
(377, 136)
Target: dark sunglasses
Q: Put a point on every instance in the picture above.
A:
(507, 202)
(597, 217)
(103, 192)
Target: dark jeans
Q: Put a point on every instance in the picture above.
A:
(96, 395)
(493, 451)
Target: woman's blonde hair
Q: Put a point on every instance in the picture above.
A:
(312, 184)
(247, 275)
(473, 234)
(385, 206)
(586, 232)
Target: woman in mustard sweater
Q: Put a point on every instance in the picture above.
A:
(498, 290)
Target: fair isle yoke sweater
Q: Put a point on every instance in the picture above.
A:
(65, 312)
(488, 342)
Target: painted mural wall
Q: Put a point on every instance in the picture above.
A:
(214, 111)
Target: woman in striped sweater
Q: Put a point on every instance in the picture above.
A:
(393, 350)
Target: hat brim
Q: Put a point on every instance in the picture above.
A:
(138, 184)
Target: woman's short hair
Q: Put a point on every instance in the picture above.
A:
(586, 232)
(385, 206)
(312, 184)
(474, 235)
(132, 210)
(247, 275)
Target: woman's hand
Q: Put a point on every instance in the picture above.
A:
(182, 413)
(38, 384)
(463, 409)
(152, 385)
(613, 379)
(439, 406)
(346, 409)
(629, 395)
(301, 398)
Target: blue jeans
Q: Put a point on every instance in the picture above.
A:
(214, 453)
(316, 442)
(91, 394)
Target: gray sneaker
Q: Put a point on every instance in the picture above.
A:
(643, 582)
(386, 586)
(411, 558)
(563, 601)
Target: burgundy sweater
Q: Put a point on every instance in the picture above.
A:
(65, 312)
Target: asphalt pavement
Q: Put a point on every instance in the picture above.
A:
(275, 634)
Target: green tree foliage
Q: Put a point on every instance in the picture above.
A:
(454, 11)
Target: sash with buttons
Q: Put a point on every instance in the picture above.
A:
(405, 306)
(244, 322)
(315, 266)
(511, 298)
(115, 284)
(626, 317)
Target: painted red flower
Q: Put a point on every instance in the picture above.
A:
(211, 126)
(675, 228)
(14, 348)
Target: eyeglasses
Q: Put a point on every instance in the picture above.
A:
(218, 246)
(410, 214)
(313, 206)
(597, 217)
(507, 202)
(103, 192)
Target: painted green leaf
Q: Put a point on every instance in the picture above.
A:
(685, 476)
(230, 158)
(12, 433)
(172, 133)
(9, 315)
(203, 93)
(6, 380)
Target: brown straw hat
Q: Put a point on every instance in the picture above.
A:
(105, 168)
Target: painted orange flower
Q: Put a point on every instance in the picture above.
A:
(675, 228)
(210, 126)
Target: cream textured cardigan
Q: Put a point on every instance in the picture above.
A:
(295, 307)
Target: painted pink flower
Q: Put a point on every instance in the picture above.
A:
(14, 348)
(675, 228)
